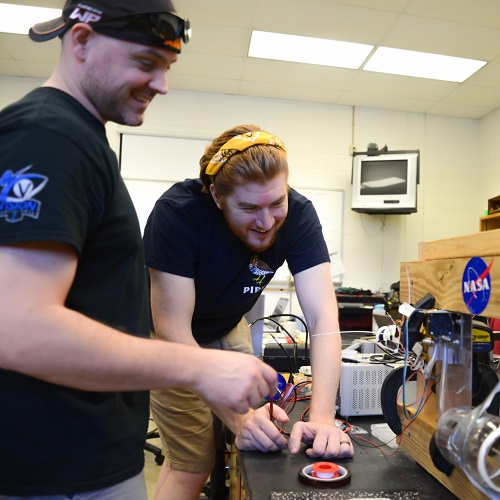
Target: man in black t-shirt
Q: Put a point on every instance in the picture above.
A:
(76, 360)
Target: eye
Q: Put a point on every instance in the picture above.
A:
(146, 64)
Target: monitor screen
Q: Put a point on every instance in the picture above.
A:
(384, 177)
(385, 183)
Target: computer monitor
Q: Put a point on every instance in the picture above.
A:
(386, 183)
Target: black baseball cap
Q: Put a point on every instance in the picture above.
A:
(149, 22)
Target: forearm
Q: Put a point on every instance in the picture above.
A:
(64, 347)
(317, 299)
(325, 362)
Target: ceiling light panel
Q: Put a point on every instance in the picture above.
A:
(267, 45)
(18, 19)
(422, 65)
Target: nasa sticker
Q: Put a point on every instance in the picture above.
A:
(476, 285)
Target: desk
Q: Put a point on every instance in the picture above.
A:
(262, 473)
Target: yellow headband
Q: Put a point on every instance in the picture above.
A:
(240, 143)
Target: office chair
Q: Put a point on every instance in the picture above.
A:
(155, 450)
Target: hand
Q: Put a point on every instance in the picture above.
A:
(259, 433)
(233, 379)
(326, 441)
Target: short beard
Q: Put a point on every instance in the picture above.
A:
(252, 247)
(110, 106)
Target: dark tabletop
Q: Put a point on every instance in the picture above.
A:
(275, 475)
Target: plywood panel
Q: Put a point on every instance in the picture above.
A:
(479, 244)
(444, 280)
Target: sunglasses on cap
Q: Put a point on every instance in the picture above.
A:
(164, 29)
(170, 27)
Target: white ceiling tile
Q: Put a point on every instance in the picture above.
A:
(315, 18)
(38, 69)
(487, 76)
(4, 53)
(10, 67)
(444, 37)
(400, 86)
(477, 12)
(295, 93)
(458, 110)
(214, 66)
(54, 4)
(235, 13)
(203, 84)
(224, 40)
(391, 5)
(385, 102)
(216, 61)
(302, 75)
(21, 47)
(474, 96)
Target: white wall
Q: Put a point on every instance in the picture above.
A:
(458, 164)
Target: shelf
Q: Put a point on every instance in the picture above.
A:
(489, 222)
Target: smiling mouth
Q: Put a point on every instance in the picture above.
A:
(141, 98)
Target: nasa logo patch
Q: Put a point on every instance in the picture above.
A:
(476, 285)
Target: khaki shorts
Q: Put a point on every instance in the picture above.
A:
(185, 422)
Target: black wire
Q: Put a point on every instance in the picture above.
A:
(280, 326)
(306, 330)
(295, 368)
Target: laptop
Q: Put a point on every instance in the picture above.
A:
(382, 320)
(279, 309)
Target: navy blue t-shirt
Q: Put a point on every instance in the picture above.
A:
(187, 235)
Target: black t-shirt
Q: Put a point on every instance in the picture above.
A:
(59, 182)
(187, 235)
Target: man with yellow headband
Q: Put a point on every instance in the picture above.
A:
(212, 245)
(76, 358)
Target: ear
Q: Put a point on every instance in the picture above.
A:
(80, 35)
(216, 197)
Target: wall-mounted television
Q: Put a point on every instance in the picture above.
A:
(385, 183)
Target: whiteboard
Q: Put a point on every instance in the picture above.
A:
(155, 157)
(329, 204)
(144, 194)
(150, 164)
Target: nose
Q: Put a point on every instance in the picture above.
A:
(159, 83)
(265, 220)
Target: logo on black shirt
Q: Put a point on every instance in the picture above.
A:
(260, 269)
(17, 195)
